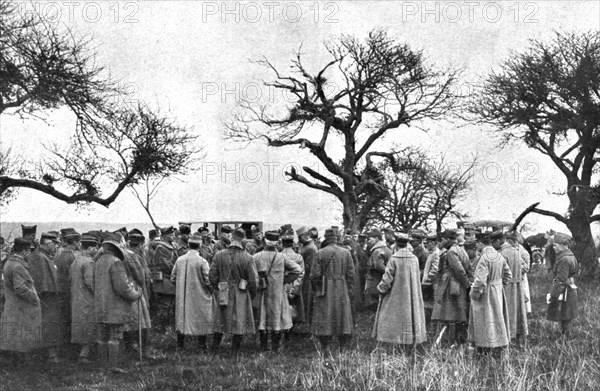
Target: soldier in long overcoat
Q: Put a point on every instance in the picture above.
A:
(113, 295)
(139, 274)
(308, 251)
(525, 266)
(515, 296)
(21, 320)
(451, 301)
(84, 329)
(430, 274)
(562, 300)
(44, 272)
(489, 319)
(400, 318)
(419, 249)
(163, 290)
(293, 289)
(378, 258)
(274, 313)
(63, 260)
(332, 275)
(231, 266)
(194, 301)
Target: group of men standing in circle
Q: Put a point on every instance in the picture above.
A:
(108, 289)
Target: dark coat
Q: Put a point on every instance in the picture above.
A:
(380, 254)
(232, 265)
(55, 320)
(565, 268)
(451, 300)
(83, 316)
(21, 320)
(274, 312)
(114, 293)
(308, 251)
(161, 267)
(332, 312)
(515, 296)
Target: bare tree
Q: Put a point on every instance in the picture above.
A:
(114, 146)
(548, 98)
(423, 195)
(366, 91)
(145, 196)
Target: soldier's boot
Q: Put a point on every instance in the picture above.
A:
(114, 356)
(202, 343)
(217, 337)
(277, 341)
(236, 342)
(103, 354)
(324, 341)
(264, 340)
(345, 340)
(180, 341)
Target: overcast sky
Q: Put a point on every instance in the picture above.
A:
(194, 60)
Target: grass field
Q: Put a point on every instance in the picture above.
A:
(547, 363)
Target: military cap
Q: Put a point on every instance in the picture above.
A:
(50, 236)
(136, 236)
(563, 239)
(202, 229)
(226, 229)
(432, 237)
(28, 229)
(302, 230)
(69, 232)
(90, 237)
(272, 236)
(480, 235)
(330, 234)
(195, 238)
(185, 228)
(112, 242)
(402, 237)
(497, 235)
(238, 234)
(417, 234)
(122, 231)
(374, 233)
(450, 234)
(21, 244)
(152, 234)
(167, 231)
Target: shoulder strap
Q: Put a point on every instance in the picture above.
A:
(325, 267)
(272, 262)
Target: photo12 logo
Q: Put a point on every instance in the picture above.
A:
(89, 11)
(469, 11)
(269, 11)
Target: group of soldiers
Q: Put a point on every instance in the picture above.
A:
(108, 289)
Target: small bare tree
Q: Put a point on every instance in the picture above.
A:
(423, 194)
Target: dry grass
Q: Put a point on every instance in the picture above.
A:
(549, 362)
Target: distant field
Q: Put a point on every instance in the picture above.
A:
(548, 363)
